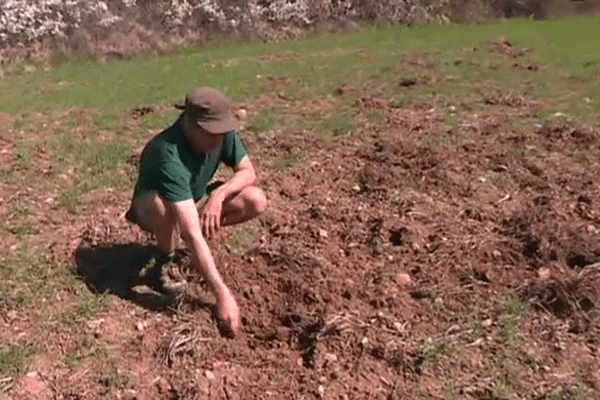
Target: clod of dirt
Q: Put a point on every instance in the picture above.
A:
(398, 235)
(291, 320)
(568, 299)
(280, 334)
(531, 246)
(343, 90)
(308, 342)
(584, 198)
(139, 112)
(407, 82)
(578, 260)
(420, 294)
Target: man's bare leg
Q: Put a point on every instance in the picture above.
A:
(155, 217)
(247, 204)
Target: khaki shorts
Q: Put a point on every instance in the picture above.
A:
(139, 204)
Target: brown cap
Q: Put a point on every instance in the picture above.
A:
(210, 109)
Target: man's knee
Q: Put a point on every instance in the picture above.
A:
(150, 211)
(255, 200)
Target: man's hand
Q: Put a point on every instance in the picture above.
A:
(228, 315)
(210, 216)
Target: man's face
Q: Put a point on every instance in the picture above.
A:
(200, 140)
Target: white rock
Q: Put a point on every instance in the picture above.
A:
(321, 390)
(544, 273)
(402, 278)
(209, 375)
(242, 113)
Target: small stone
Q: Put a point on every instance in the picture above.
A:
(544, 273)
(364, 341)
(496, 254)
(321, 390)
(403, 279)
(242, 113)
(162, 385)
(331, 357)
(356, 188)
(140, 326)
(209, 375)
(398, 326)
(95, 324)
(322, 233)
(486, 323)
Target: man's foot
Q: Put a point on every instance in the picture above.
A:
(151, 274)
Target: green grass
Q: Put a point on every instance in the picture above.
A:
(286, 161)
(337, 124)
(13, 359)
(244, 238)
(564, 48)
(263, 121)
(512, 311)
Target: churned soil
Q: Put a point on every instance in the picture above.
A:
(385, 267)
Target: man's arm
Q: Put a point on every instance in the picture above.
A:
(187, 217)
(244, 175)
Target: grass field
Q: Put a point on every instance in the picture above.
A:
(484, 121)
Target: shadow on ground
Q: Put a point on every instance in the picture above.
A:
(126, 270)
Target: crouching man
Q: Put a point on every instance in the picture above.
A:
(173, 196)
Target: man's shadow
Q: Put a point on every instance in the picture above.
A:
(125, 270)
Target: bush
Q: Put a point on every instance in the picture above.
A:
(127, 26)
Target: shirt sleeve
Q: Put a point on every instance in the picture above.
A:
(233, 149)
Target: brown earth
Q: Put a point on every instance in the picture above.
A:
(384, 268)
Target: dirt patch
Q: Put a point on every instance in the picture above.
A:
(380, 270)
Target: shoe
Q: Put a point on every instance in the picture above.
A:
(151, 274)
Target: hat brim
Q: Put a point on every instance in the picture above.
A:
(218, 127)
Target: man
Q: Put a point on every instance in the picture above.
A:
(173, 197)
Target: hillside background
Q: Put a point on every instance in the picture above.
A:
(121, 27)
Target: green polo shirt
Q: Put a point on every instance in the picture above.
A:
(169, 166)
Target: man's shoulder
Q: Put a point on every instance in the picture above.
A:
(168, 138)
